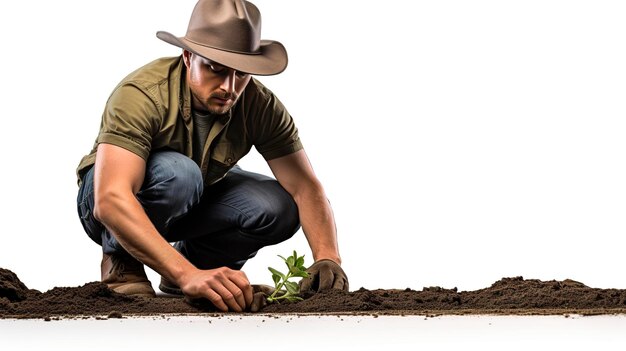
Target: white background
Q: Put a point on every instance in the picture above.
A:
(458, 141)
(314, 333)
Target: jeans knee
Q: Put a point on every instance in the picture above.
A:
(172, 185)
(275, 219)
(173, 174)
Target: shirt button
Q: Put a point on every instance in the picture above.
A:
(229, 160)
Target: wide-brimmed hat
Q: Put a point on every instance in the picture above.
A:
(229, 32)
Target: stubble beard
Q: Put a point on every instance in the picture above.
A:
(219, 109)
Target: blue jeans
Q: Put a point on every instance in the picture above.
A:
(224, 224)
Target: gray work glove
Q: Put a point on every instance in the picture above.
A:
(323, 275)
(260, 294)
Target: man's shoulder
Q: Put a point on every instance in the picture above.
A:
(257, 89)
(157, 84)
(156, 81)
(260, 101)
(155, 73)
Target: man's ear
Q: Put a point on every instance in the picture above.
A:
(187, 57)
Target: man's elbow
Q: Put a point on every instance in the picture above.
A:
(312, 190)
(105, 205)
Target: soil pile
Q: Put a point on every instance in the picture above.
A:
(11, 288)
(91, 299)
(506, 296)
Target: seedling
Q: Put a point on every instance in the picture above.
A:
(283, 288)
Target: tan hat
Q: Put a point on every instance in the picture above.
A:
(229, 32)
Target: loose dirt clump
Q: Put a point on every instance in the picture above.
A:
(506, 296)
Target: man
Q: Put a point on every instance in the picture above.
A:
(163, 168)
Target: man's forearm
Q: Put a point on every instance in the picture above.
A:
(318, 224)
(295, 174)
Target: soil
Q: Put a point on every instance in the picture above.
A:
(506, 296)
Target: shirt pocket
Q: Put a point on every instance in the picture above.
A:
(222, 159)
(224, 156)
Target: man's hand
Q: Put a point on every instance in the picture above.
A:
(261, 292)
(323, 275)
(226, 288)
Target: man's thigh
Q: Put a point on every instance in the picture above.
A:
(245, 202)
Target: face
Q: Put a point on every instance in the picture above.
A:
(214, 88)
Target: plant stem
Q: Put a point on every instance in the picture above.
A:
(280, 286)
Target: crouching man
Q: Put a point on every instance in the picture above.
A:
(164, 168)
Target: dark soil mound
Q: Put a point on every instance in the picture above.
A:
(91, 299)
(506, 296)
(12, 288)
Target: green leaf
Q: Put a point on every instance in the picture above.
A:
(284, 259)
(301, 274)
(291, 261)
(293, 270)
(292, 288)
(276, 279)
(274, 271)
(300, 261)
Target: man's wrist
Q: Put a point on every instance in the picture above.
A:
(183, 275)
(334, 258)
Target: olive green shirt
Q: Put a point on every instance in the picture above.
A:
(151, 110)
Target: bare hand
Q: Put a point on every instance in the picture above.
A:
(226, 288)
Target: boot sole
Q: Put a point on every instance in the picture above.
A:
(134, 289)
(169, 289)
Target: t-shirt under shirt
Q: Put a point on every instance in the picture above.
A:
(202, 123)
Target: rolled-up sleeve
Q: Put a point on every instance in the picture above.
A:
(130, 120)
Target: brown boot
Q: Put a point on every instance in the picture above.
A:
(169, 288)
(125, 275)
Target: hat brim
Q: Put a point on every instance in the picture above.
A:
(271, 59)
